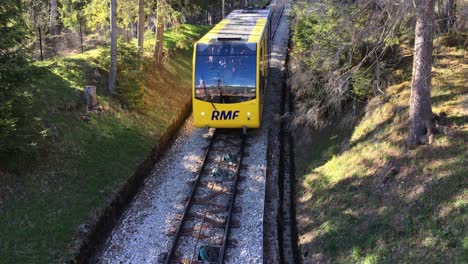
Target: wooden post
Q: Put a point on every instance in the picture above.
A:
(91, 98)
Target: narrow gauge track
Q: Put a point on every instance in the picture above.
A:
(277, 13)
(205, 222)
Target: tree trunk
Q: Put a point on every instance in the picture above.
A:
(159, 45)
(421, 119)
(53, 17)
(132, 31)
(113, 52)
(222, 9)
(81, 36)
(141, 24)
(451, 9)
(40, 42)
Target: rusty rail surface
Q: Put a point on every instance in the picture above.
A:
(210, 210)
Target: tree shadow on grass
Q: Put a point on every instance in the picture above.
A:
(86, 165)
(392, 220)
(318, 146)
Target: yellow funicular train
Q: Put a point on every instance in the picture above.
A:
(230, 68)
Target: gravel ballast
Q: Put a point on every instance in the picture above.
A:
(141, 235)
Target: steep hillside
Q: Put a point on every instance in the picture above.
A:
(363, 197)
(86, 157)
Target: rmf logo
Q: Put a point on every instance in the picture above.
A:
(224, 115)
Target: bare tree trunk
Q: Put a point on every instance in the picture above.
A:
(421, 120)
(53, 17)
(132, 30)
(40, 42)
(113, 52)
(451, 9)
(222, 9)
(141, 24)
(159, 45)
(81, 36)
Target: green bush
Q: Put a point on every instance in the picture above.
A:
(362, 85)
(129, 86)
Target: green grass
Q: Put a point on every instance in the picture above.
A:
(353, 209)
(180, 38)
(84, 162)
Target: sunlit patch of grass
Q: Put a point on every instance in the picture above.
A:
(181, 38)
(360, 161)
(371, 200)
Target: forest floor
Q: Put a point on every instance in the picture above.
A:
(47, 201)
(363, 197)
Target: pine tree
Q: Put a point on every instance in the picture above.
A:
(19, 125)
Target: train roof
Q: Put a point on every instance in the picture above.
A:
(244, 25)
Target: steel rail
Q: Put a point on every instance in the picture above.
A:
(278, 20)
(189, 202)
(231, 202)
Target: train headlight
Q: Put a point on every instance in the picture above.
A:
(248, 113)
(202, 113)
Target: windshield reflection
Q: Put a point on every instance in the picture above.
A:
(225, 72)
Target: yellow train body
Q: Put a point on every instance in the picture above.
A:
(230, 69)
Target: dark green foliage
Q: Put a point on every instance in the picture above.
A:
(361, 85)
(20, 127)
(72, 14)
(129, 73)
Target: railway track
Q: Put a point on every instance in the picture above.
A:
(203, 228)
(201, 232)
(278, 11)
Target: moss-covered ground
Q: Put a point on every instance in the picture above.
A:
(363, 197)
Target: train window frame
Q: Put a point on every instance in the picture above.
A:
(225, 60)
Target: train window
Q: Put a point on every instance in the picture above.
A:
(225, 72)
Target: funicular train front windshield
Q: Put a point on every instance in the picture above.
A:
(225, 72)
